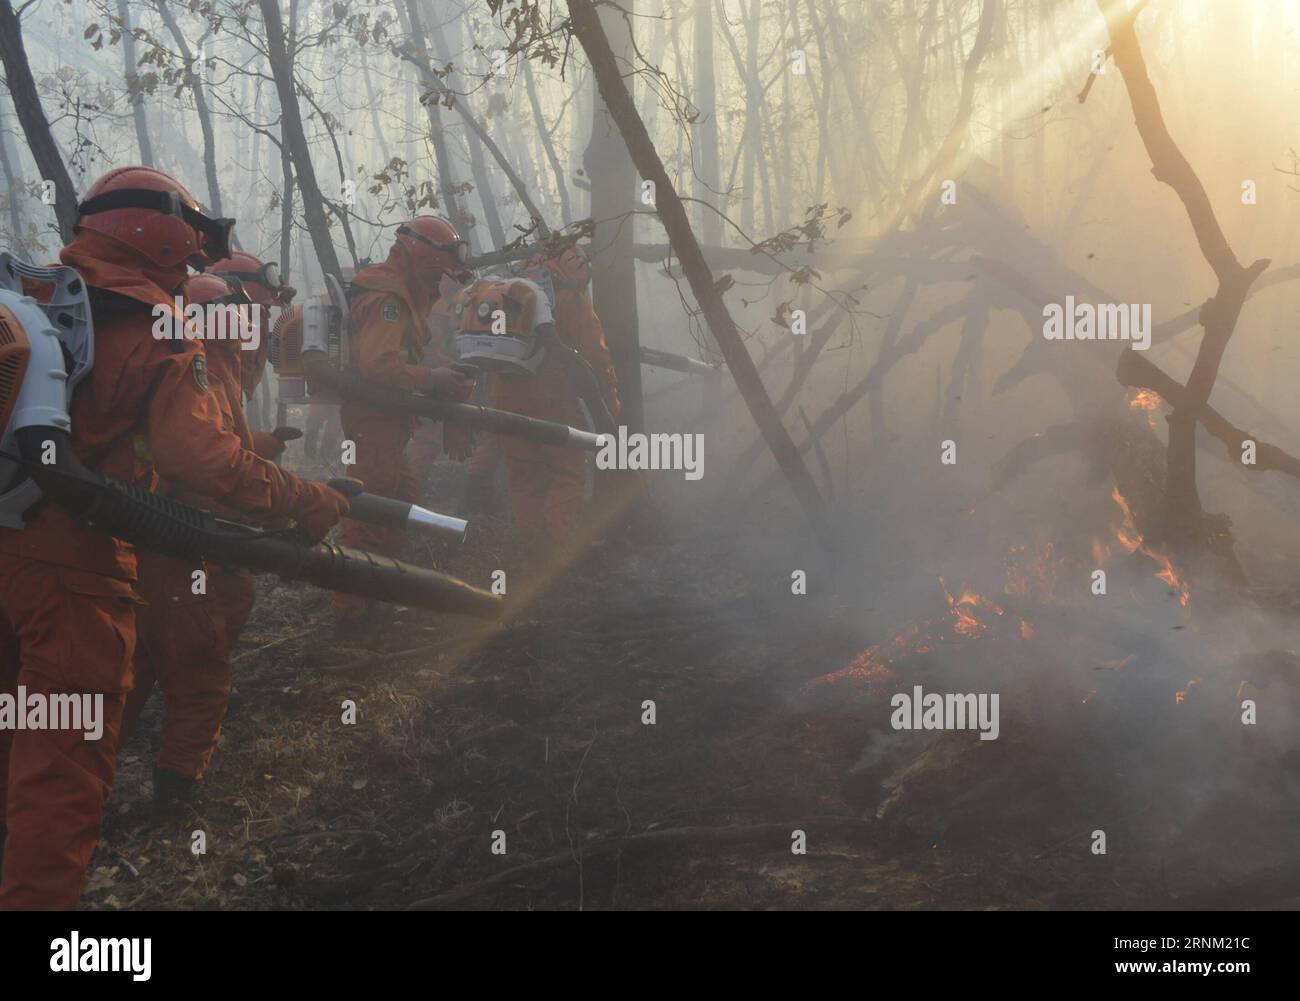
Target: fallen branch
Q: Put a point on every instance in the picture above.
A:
(1139, 373)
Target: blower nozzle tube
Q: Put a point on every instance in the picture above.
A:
(322, 374)
(401, 516)
(163, 524)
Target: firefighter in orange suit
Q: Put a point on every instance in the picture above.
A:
(390, 307)
(547, 482)
(189, 627)
(266, 289)
(68, 601)
(430, 440)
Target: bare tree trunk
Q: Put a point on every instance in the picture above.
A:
(548, 144)
(134, 97)
(36, 127)
(605, 65)
(477, 166)
(844, 61)
(876, 401)
(195, 83)
(437, 89)
(380, 135)
(963, 381)
(911, 67)
(946, 157)
(753, 137)
(708, 175)
(255, 158)
(785, 211)
(822, 105)
(409, 15)
(614, 188)
(286, 209)
(1136, 372)
(1219, 313)
(295, 139)
(655, 57)
(11, 186)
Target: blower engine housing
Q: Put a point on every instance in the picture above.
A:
(46, 348)
(497, 320)
(320, 325)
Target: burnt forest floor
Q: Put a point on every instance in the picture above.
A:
(533, 727)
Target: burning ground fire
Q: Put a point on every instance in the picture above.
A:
(967, 624)
(1147, 400)
(1030, 575)
(968, 617)
(1131, 539)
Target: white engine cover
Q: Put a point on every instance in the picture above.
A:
(62, 353)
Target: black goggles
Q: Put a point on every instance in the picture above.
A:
(238, 295)
(268, 276)
(459, 250)
(215, 233)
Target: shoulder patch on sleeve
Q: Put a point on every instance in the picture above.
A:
(391, 312)
(200, 366)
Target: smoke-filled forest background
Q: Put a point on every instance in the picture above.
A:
(855, 213)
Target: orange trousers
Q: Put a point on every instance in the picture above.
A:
(547, 485)
(184, 647)
(62, 631)
(383, 467)
(425, 450)
(485, 458)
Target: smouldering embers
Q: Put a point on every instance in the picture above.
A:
(1029, 574)
(967, 617)
(1131, 539)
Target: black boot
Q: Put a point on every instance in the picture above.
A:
(171, 794)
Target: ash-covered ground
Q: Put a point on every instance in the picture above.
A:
(772, 715)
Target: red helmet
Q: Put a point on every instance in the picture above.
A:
(154, 215)
(433, 244)
(262, 281)
(209, 288)
(569, 265)
(226, 327)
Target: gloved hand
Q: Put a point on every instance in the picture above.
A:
(318, 508)
(457, 442)
(451, 383)
(267, 445)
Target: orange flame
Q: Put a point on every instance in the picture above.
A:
(1131, 539)
(1181, 696)
(962, 621)
(962, 608)
(1149, 401)
(1033, 575)
(1145, 399)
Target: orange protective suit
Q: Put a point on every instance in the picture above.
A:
(482, 470)
(427, 436)
(547, 482)
(67, 596)
(185, 639)
(390, 333)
